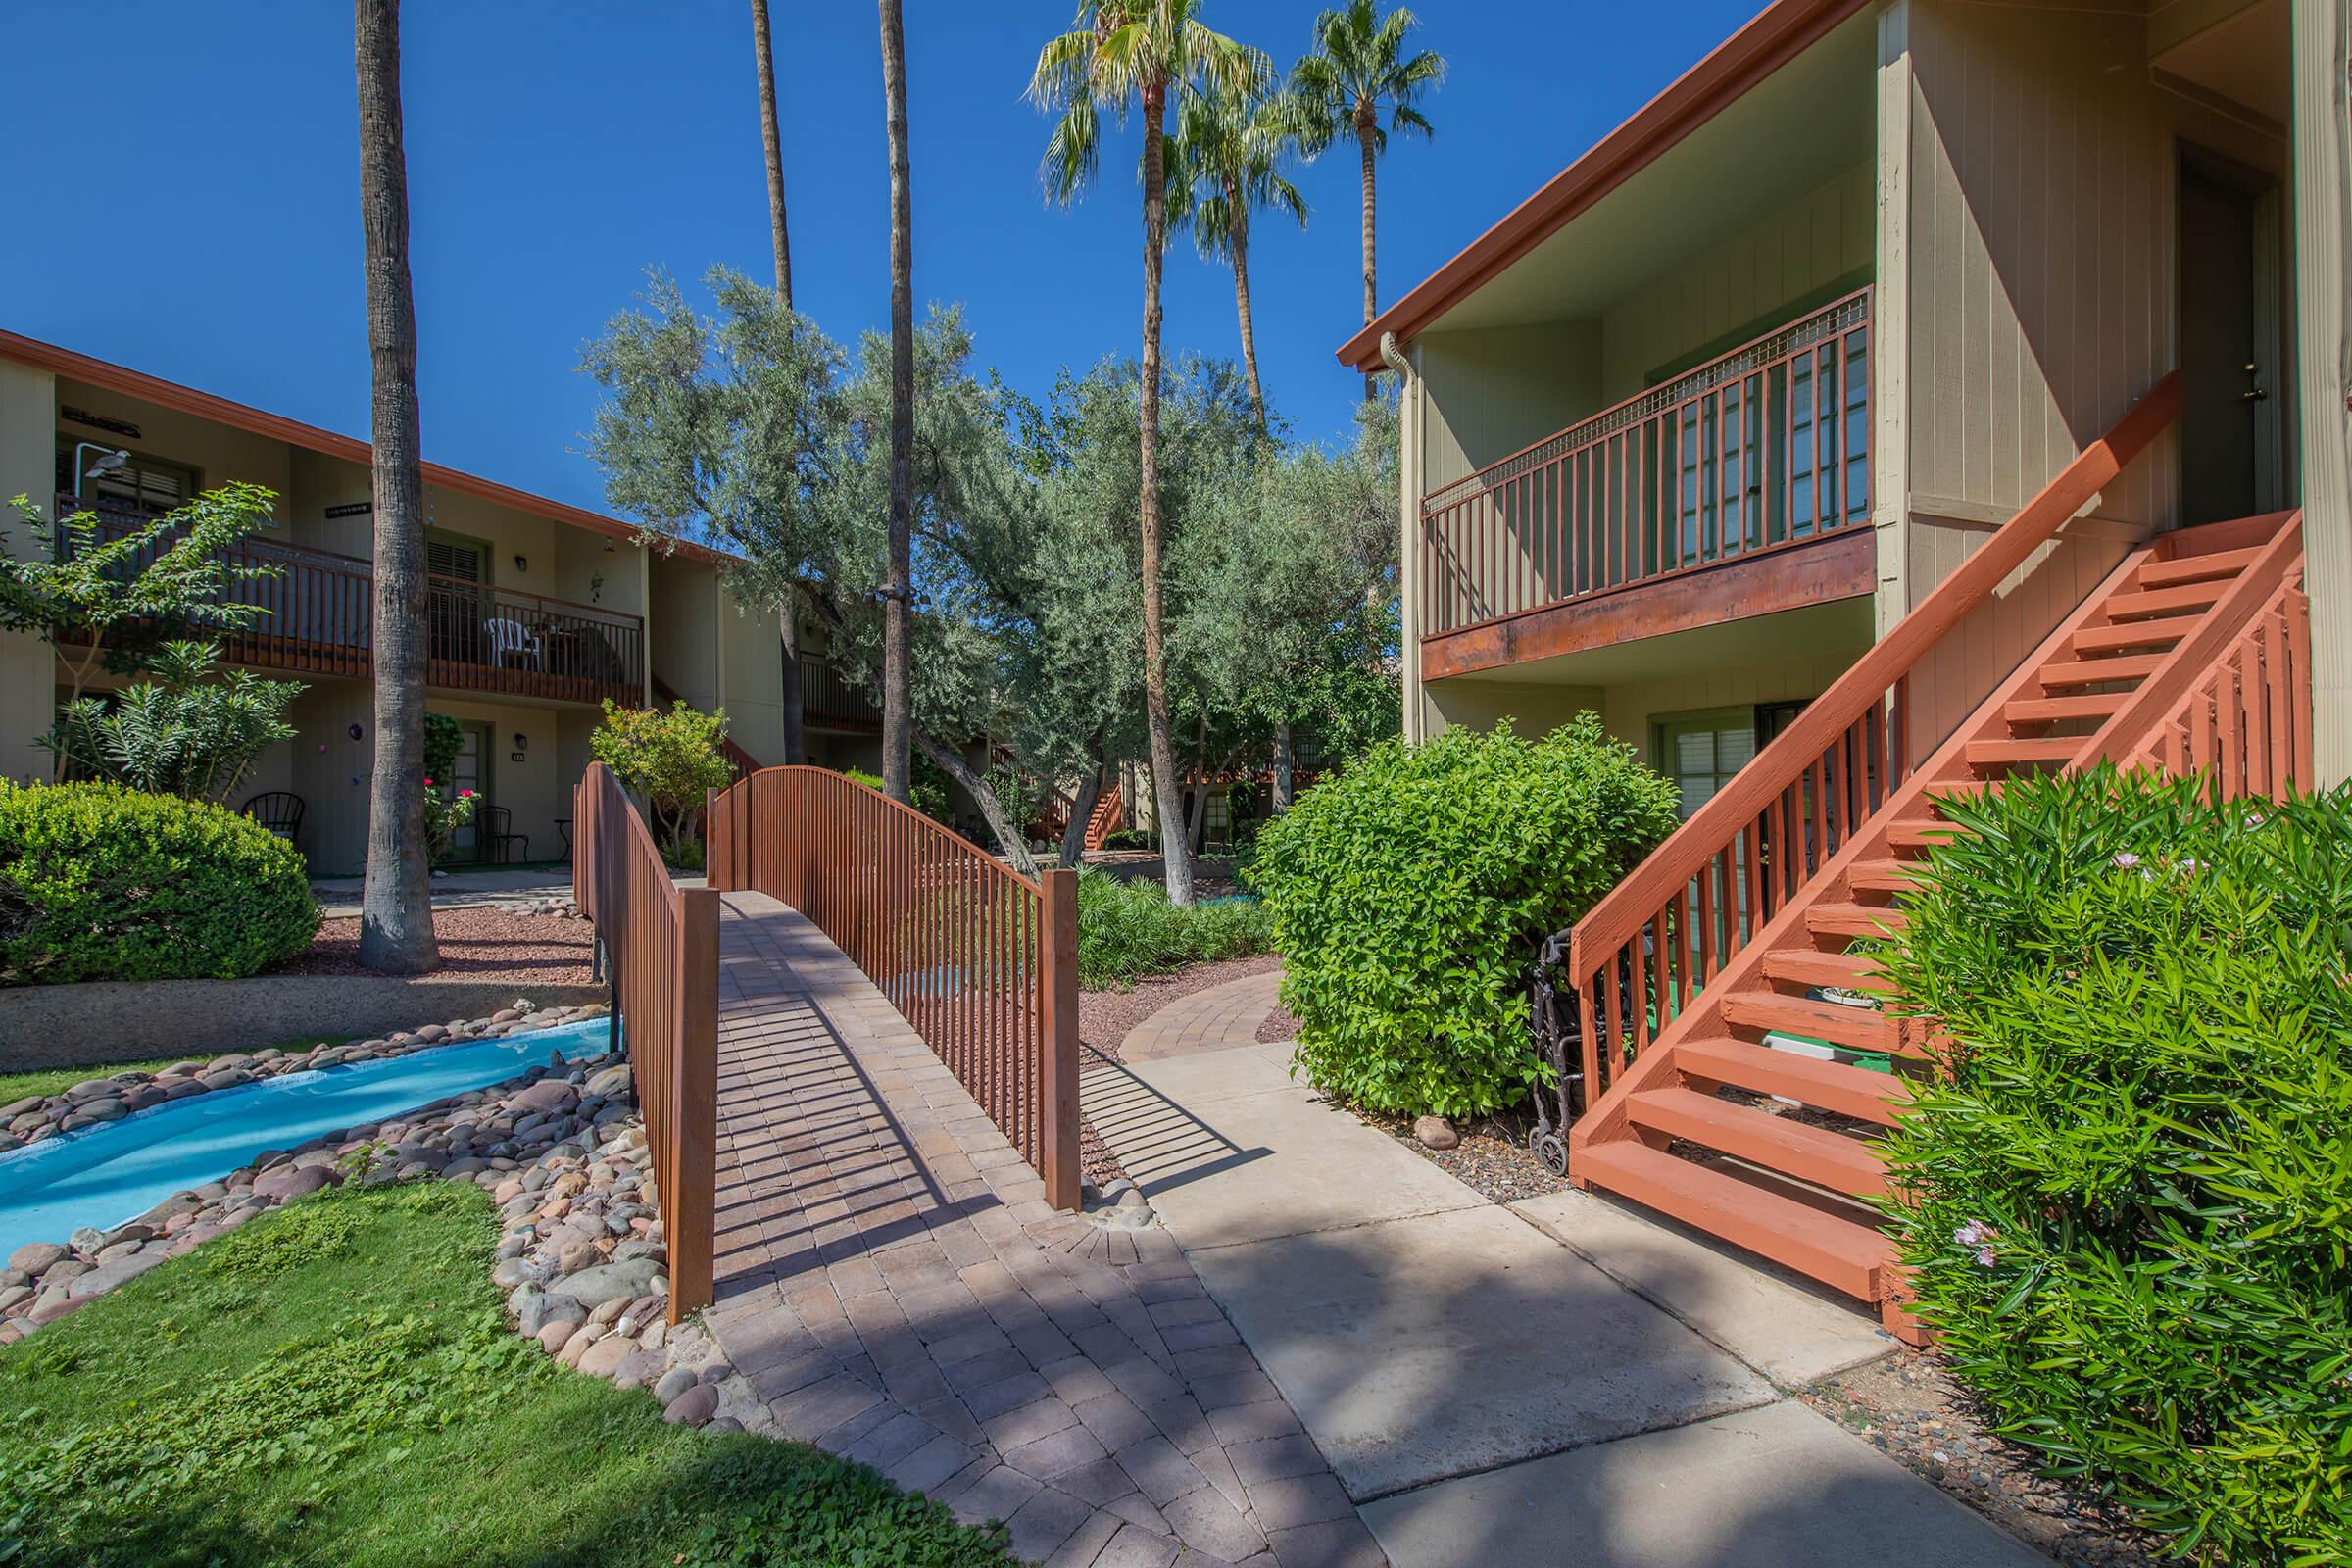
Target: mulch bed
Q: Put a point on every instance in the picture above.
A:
(1909, 1407)
(477, 943)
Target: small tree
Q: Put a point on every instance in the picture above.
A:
(111, 603)
(671, 759)
(184, 733)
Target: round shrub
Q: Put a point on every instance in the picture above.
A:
(2130, 1203)
(1410, 894)
(98, 882)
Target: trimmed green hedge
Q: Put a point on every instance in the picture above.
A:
(1410, 894)
(1128, 929)
(2132, 1203)
(98, 882)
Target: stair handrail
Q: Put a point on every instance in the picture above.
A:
(2193, 659)
(1640, 901)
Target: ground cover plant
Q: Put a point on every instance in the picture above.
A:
(99, 882)
(2129, 1210)
(335, 1384)
(1128, 929)
(1409, 895)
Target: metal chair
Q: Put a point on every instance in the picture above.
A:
(278, 810)
(494, 831)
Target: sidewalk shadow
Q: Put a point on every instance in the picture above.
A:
(1160, 1145)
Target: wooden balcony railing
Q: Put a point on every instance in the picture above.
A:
(980, 959)
(1764, 448)
(1647, 948)
(319, 616)
(830, 699)
(660, 944)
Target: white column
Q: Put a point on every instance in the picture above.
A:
(2323, 367)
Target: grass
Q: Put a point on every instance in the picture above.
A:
(335, 1384)
(1127, 930)
(16, 1085)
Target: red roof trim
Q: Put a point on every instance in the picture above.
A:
(1776, 35)
(277, 428)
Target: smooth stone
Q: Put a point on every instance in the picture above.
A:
(106, 1276)
(604, 1357)
(696, 1406)
(674, 1382)
(1436, 1132)
(607, 1283)
(638, 1369)
(36, 1258)
(289, 1182)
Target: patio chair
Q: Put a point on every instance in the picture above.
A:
(278, 810)
(512, 638)
(494, 829)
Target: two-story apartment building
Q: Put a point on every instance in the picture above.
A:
(1915, 394)
(1704, 416)
(537, 611)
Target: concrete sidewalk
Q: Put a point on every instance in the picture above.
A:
(1561, 1380)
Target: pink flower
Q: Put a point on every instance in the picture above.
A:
(464, 795)
(428, 783)
(1984, 1256)
(2126, 859)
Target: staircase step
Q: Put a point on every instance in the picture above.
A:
(1883, 877)
(2133, 634)
(2198, 569)
(1854, 1028)
(1920, 835)
(1777, 1143)
(1809, 966)
(2057, 710)
(2046, 751)
(1839, 1253)
(1852, 920)
(2099, 671)
(1831, 1086)
(2184, 599)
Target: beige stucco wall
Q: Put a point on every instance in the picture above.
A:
(751, 677)
(686, 607)
(27, 448)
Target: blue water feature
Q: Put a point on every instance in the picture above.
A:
(117, 1171)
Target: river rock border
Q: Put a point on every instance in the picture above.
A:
(113, 1096)
(561, 1148)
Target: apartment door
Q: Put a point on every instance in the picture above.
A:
(2232, 385)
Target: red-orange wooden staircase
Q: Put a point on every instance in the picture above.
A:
(1720, 969)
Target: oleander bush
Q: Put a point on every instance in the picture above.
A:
(1127, 930)
(99, 882)
(2130, 1207)
(1410, 894)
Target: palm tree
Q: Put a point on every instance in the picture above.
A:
(396, 905)
(898, 715)
(1140, 52)
(788, 609)
(763, 56)
(1359, 65)
(1230, 153)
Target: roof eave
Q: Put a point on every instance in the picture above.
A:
(1775, 36)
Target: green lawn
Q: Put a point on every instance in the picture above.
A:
(335, 1384)
(15, 1086)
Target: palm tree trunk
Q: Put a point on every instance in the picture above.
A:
(1240, 301)
(1168, 801)
(796, 736)
(396, 905)
(764, 56)
(1363, 140)
(896, 697)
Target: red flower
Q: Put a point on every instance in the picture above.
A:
(428, 783)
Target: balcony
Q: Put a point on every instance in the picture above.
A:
(829, 699)
(1738, 488)
(318, 618)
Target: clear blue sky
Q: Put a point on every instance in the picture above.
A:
(182, 187)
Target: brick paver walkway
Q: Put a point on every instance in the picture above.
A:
(895, 1288)
(1215, 1019)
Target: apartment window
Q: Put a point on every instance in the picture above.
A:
(1700, 752)
(142, 484)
